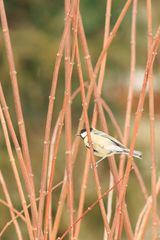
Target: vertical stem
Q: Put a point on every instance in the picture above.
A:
(84, 103)
(7, 196)
(145, 215)
(23, 167)
(59, 131)
(118, 130)
(82, 194)
(129, 100)
(54, 134)
(60, 208)
(101, 113)
(149, 65)
(16, 174)
(132, 78)
(95, 113)
(49, 120)
(152, 128)
(66, 101)
(87, 58)
(106, 35)
(109, 203)
(16, 95)
(68, 124)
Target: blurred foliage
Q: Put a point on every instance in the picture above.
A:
(35, 29)
(35, 38)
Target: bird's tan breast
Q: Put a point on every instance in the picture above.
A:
(102, 146)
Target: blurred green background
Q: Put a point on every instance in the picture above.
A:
(35, 29)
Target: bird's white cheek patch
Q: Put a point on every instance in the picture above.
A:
(84, 134)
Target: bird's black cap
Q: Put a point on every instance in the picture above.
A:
(84, 130)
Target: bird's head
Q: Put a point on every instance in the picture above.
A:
(83, 133)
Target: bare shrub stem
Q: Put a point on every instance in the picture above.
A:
(152, 128)
(16, 94)
(49, 118)
(149, 65)
(16, 174)
(8, 199)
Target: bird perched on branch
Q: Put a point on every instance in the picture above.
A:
(104, 145)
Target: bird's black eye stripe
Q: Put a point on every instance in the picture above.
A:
(83, 130)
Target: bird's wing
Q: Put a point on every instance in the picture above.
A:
(115, 141)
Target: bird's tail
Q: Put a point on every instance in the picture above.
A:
(136, 154)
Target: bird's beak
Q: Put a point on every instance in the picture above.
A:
(78, 135)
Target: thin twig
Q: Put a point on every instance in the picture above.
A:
(94, 118)
(8, 199)
(113, 119)
(84, 104)
(59, 208)
(64, 187)
(152, 128)
(129, 100)
(23, 167)
(135, 167)
(51, 152)
(68, 119)
(149, 65)
(16, 174)
(20, 214)
(88, 210)
(61, 121)
(13, 210)
(16, 94)
(143, 218)
(109, 203)
(49, 119)
(92, 76)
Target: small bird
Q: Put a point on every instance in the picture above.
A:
(105, 145)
